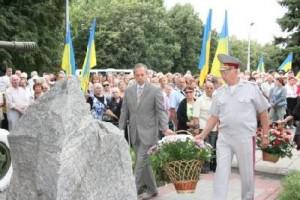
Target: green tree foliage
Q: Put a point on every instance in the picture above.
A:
(290, 23)
(127, 32)
(290, 186)
(188, 30)
(140, 31)
(271, 53)
(31, 20)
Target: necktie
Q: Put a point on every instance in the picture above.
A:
(139, 94)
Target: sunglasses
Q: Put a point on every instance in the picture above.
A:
(105, 85)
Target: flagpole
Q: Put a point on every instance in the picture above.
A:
(249, 49)
(67, 14)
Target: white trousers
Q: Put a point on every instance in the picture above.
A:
(243, 148)
(12, 117)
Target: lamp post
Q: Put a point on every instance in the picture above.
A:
(67, 14)
(249, 49)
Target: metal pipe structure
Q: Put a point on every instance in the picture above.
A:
(67, 14)
(18, 45)
(249, 48)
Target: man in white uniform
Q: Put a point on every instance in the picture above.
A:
(236, 107)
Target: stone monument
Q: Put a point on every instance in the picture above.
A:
(60, 152)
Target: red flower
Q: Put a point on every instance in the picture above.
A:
(277, 142)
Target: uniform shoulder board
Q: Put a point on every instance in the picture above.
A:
(249, 82)
(220, 89)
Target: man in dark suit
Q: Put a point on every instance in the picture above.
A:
(143, 107)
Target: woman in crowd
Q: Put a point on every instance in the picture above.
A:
(295, 115)
(291, 94)
(278, 100)
(94, 79)
(98, 103)
(38, 90)
(122, 87)
(185, 110)
(115, 106)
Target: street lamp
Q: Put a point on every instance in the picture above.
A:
(248, 60)
(67, 14)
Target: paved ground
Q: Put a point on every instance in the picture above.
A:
(267, 181)
(267, 187)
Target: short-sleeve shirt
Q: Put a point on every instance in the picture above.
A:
(201, 110)
(175, 98)
(238, 109)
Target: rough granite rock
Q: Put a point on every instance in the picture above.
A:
(61, 153)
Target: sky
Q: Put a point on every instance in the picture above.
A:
(241, 13)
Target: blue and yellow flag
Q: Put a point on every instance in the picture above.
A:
(90, 59)
(222, 48)
(68, 60)
(261, 65)
(204, 55)
(287, 63)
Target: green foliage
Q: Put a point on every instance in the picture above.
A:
(38, 21)
(290, 23)
(133, 157)
(128, 33)
(188, 30)
(271, 53)
(291, 185)
(173, 151)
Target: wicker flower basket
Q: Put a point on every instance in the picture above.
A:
(184, 174)
(270, 157)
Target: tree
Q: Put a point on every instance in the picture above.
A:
(290, 23)
(272, 54)
(188, 30)
(39, 21)
(128, 33)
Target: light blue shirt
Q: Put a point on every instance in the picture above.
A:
(175, 98)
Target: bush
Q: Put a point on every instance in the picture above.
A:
(291, 187)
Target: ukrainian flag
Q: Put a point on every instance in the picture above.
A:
(90, 59)
(204, 55)
(261, 65)
(68, 60)
(287, 63)
(222, 48)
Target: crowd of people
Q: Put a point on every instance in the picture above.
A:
(167, 103)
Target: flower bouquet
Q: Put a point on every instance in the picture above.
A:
(280, 143)
(181, 158)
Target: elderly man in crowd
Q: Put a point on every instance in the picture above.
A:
(17, 101)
